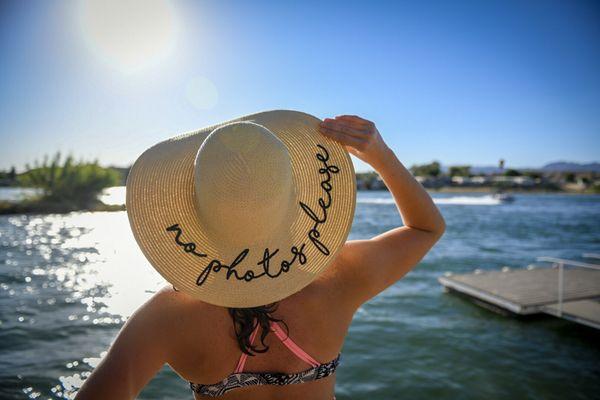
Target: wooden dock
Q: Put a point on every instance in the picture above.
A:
(585, 312)
(566, 289)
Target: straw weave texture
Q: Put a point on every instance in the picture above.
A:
(161, 195)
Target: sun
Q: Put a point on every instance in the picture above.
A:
(129, 35)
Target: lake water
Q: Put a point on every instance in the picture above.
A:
(111, 196)
(67, 284)
(16, 194)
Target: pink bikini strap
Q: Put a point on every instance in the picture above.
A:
(244, 356)
(290, 344)
(286, 340)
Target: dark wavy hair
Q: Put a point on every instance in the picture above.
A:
(245, 320)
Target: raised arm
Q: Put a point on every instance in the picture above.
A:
(367, 267)
(137, 354)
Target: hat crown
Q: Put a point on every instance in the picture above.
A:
(243, 183)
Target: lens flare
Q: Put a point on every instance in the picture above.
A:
(202, 93)
(129, 34)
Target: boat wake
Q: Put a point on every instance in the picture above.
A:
(487, 200)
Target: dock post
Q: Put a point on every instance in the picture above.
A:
(560, 288)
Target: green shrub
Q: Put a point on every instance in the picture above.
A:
(460, 170)
(431, 169)
(512, 172)
(70, 183)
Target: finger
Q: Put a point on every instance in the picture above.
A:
(341, 137)
(358, 124)
(354, 119)
(344, 127)
(351, 119)
(349, 116)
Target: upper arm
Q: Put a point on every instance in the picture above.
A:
(137, 354)
(364, 268)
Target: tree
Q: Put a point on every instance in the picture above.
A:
(533, 174)
(368, 178)
(460, 170)
(73, 183)
(512, 172)
(431, 169)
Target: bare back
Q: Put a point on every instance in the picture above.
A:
(315, 322)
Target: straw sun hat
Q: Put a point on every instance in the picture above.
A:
(246, 212)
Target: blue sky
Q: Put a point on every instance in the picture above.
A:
(458, 82)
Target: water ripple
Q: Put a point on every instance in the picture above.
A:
(68, 283)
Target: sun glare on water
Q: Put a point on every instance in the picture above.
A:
(129, 34)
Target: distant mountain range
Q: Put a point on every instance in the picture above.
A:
(563, 166)
(559, 166)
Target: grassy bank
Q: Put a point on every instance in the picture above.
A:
(39, 206)
(65, 185)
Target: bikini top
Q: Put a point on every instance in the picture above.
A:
(241, 379)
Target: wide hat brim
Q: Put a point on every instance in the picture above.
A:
(160, 201)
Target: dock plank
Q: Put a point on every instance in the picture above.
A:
(525, 291)
(585, 312)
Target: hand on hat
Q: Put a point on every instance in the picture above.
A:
(360, 137)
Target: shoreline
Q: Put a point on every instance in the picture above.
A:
(487, 189)
(36, 207)
(30, 207)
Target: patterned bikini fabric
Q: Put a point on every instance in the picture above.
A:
(244, 379)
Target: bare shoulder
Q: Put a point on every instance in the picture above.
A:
(327, 288)
(142, 347)
(164, 310)
(168, 296)
(165, 301)
(364, 268)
